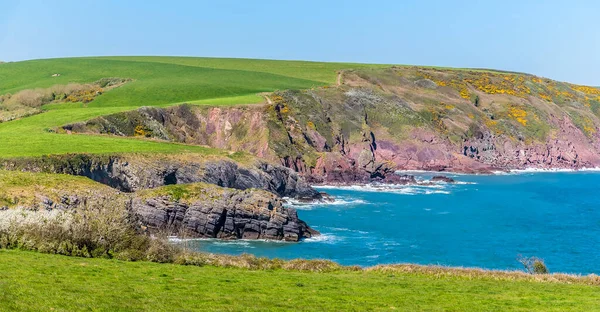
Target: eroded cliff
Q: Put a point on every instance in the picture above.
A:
(380, 121)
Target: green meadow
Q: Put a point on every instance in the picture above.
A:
(39, 282)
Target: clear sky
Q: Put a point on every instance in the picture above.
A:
(556, 39)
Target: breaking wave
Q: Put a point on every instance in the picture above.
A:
(219, 242)
(345, 230)
(323, 238)
(319, 204)
(548, 170)
(414, 189)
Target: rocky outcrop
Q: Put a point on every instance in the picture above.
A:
(444, 179)
(224, 128)
(569, 148)
(186, 210)
(130, 173)
(221, 213)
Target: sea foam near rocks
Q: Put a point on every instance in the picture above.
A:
(300, 205)
(323, 238)
(413, 189)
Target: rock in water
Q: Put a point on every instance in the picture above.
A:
(442, 179)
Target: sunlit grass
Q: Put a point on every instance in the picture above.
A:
(39, 282)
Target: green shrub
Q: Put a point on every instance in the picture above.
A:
(539, 267)
(111, 82)
(98, 229)
(161, 251)
(533, 265)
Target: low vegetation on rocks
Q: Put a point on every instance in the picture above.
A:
(210, 209)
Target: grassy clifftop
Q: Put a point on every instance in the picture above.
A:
(26, 188)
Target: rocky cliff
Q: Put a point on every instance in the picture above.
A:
(134, 172)
(380, 121)
(197, 210)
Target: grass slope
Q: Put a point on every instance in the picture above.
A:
(39, 282)
(29, 137)
(316, 71)
(159, 81)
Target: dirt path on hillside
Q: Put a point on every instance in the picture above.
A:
(268, 99)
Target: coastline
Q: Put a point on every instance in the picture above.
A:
(407, 177)
(216, 259)
(501, 171)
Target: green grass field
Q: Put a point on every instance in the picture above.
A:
(159, 81)
(39, 282)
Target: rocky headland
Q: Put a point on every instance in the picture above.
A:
(195, 210)
(380, 121)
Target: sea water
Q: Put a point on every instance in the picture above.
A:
(484, 221)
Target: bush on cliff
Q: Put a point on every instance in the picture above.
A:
(533, 265)
(99, 229)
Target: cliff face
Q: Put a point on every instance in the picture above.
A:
(200, 210)
(380, 121)
(196, 210)
(132, 172)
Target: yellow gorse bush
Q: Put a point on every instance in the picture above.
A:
(586, 90)
(518, 114)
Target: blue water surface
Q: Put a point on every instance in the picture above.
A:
(485, 221)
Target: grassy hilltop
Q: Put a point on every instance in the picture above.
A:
(157, 81)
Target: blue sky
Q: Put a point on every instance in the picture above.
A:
(556, 39)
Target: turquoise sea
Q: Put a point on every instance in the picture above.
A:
(482, 221)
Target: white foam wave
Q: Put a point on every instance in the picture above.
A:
(234, 242)
(412, 189)
(426, 172)
(344, 230)
(542, 170)
(240, 243)
(499, 172)
(319, 204)
(323, 238)
(436, 192)
(464, 182)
